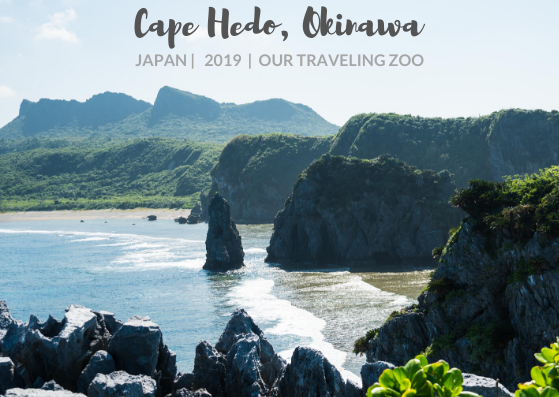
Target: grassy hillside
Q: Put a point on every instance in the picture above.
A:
(503, 143)
(152, 172)
(175, 114)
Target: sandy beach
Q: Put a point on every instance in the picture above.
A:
(138, 213)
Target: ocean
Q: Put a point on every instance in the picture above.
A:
(136, 267)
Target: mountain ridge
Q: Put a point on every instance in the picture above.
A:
(174, 114)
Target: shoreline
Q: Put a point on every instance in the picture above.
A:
(64, 215)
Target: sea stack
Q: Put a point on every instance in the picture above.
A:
(224, 250)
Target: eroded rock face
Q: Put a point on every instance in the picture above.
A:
(370, 373)
(310, 374)
(8, 376)
(11, 331)
(363, 213)
(224, 250)
(209, 369)
(61, 350)
(135, 346)
(481, 296)
(122, 384)
(100, 363)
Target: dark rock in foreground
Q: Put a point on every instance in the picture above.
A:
(363, 213)
(122, 384)
(224, 250)
(193, 219)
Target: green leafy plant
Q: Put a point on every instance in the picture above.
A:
(421, 379)
(545, 379)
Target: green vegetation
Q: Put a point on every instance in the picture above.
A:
(351, 178)
(418, 378)
(518, 207)
(151, 172)
(361, 345)
(175, 114)
(460, 145)
(545, 379)
(487, 341)
(523, 269)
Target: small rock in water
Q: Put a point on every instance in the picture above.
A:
(224, 250)
(152, 218)
(82, 221)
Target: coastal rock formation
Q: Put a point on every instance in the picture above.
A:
(120, 383)
(100, 363)
(73, 352)
(493, 300)
(41, 393)
(310, 374)
(362, 213)
(11, 332)
(255, 174)
(224, 250)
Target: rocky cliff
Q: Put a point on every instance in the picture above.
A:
(508, 142)
(495, 294)
(224, 250)
(256, 173)
(360, 212)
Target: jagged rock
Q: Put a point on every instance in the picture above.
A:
(100, 363)
(244, 369)
(224, 250)
(187, 393)
(370, 373)
(11, 331)
(107, 318)
(484, 386)
(209, 369)
(135, 346)
(385, 213)
(167, 368)
(310, 374)
(61, 350)
(244, 342)
(51, 385)
(41, 393)
(122, 384)
(183, 381)
(8, 376)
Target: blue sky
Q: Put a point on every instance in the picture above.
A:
(480, 56)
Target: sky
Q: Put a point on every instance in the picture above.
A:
(479, 56)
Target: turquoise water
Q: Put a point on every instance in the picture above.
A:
(155, 269)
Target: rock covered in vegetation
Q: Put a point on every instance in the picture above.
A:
(224, 250)
(508, 142)
(255, 174)
(492, 302)
(360, 212)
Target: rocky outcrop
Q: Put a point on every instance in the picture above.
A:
(41, 393)
(122, 384)
(73, 352)
(8, 376)
(490, 305)
(483, 386)
(310, 374)
(224, 250)
(11, 332)
(255, 174)
(100, 363)
(363, 213)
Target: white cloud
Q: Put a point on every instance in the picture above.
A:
(61, 18)
(4, 19)
(6, 92)
(55, 29)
